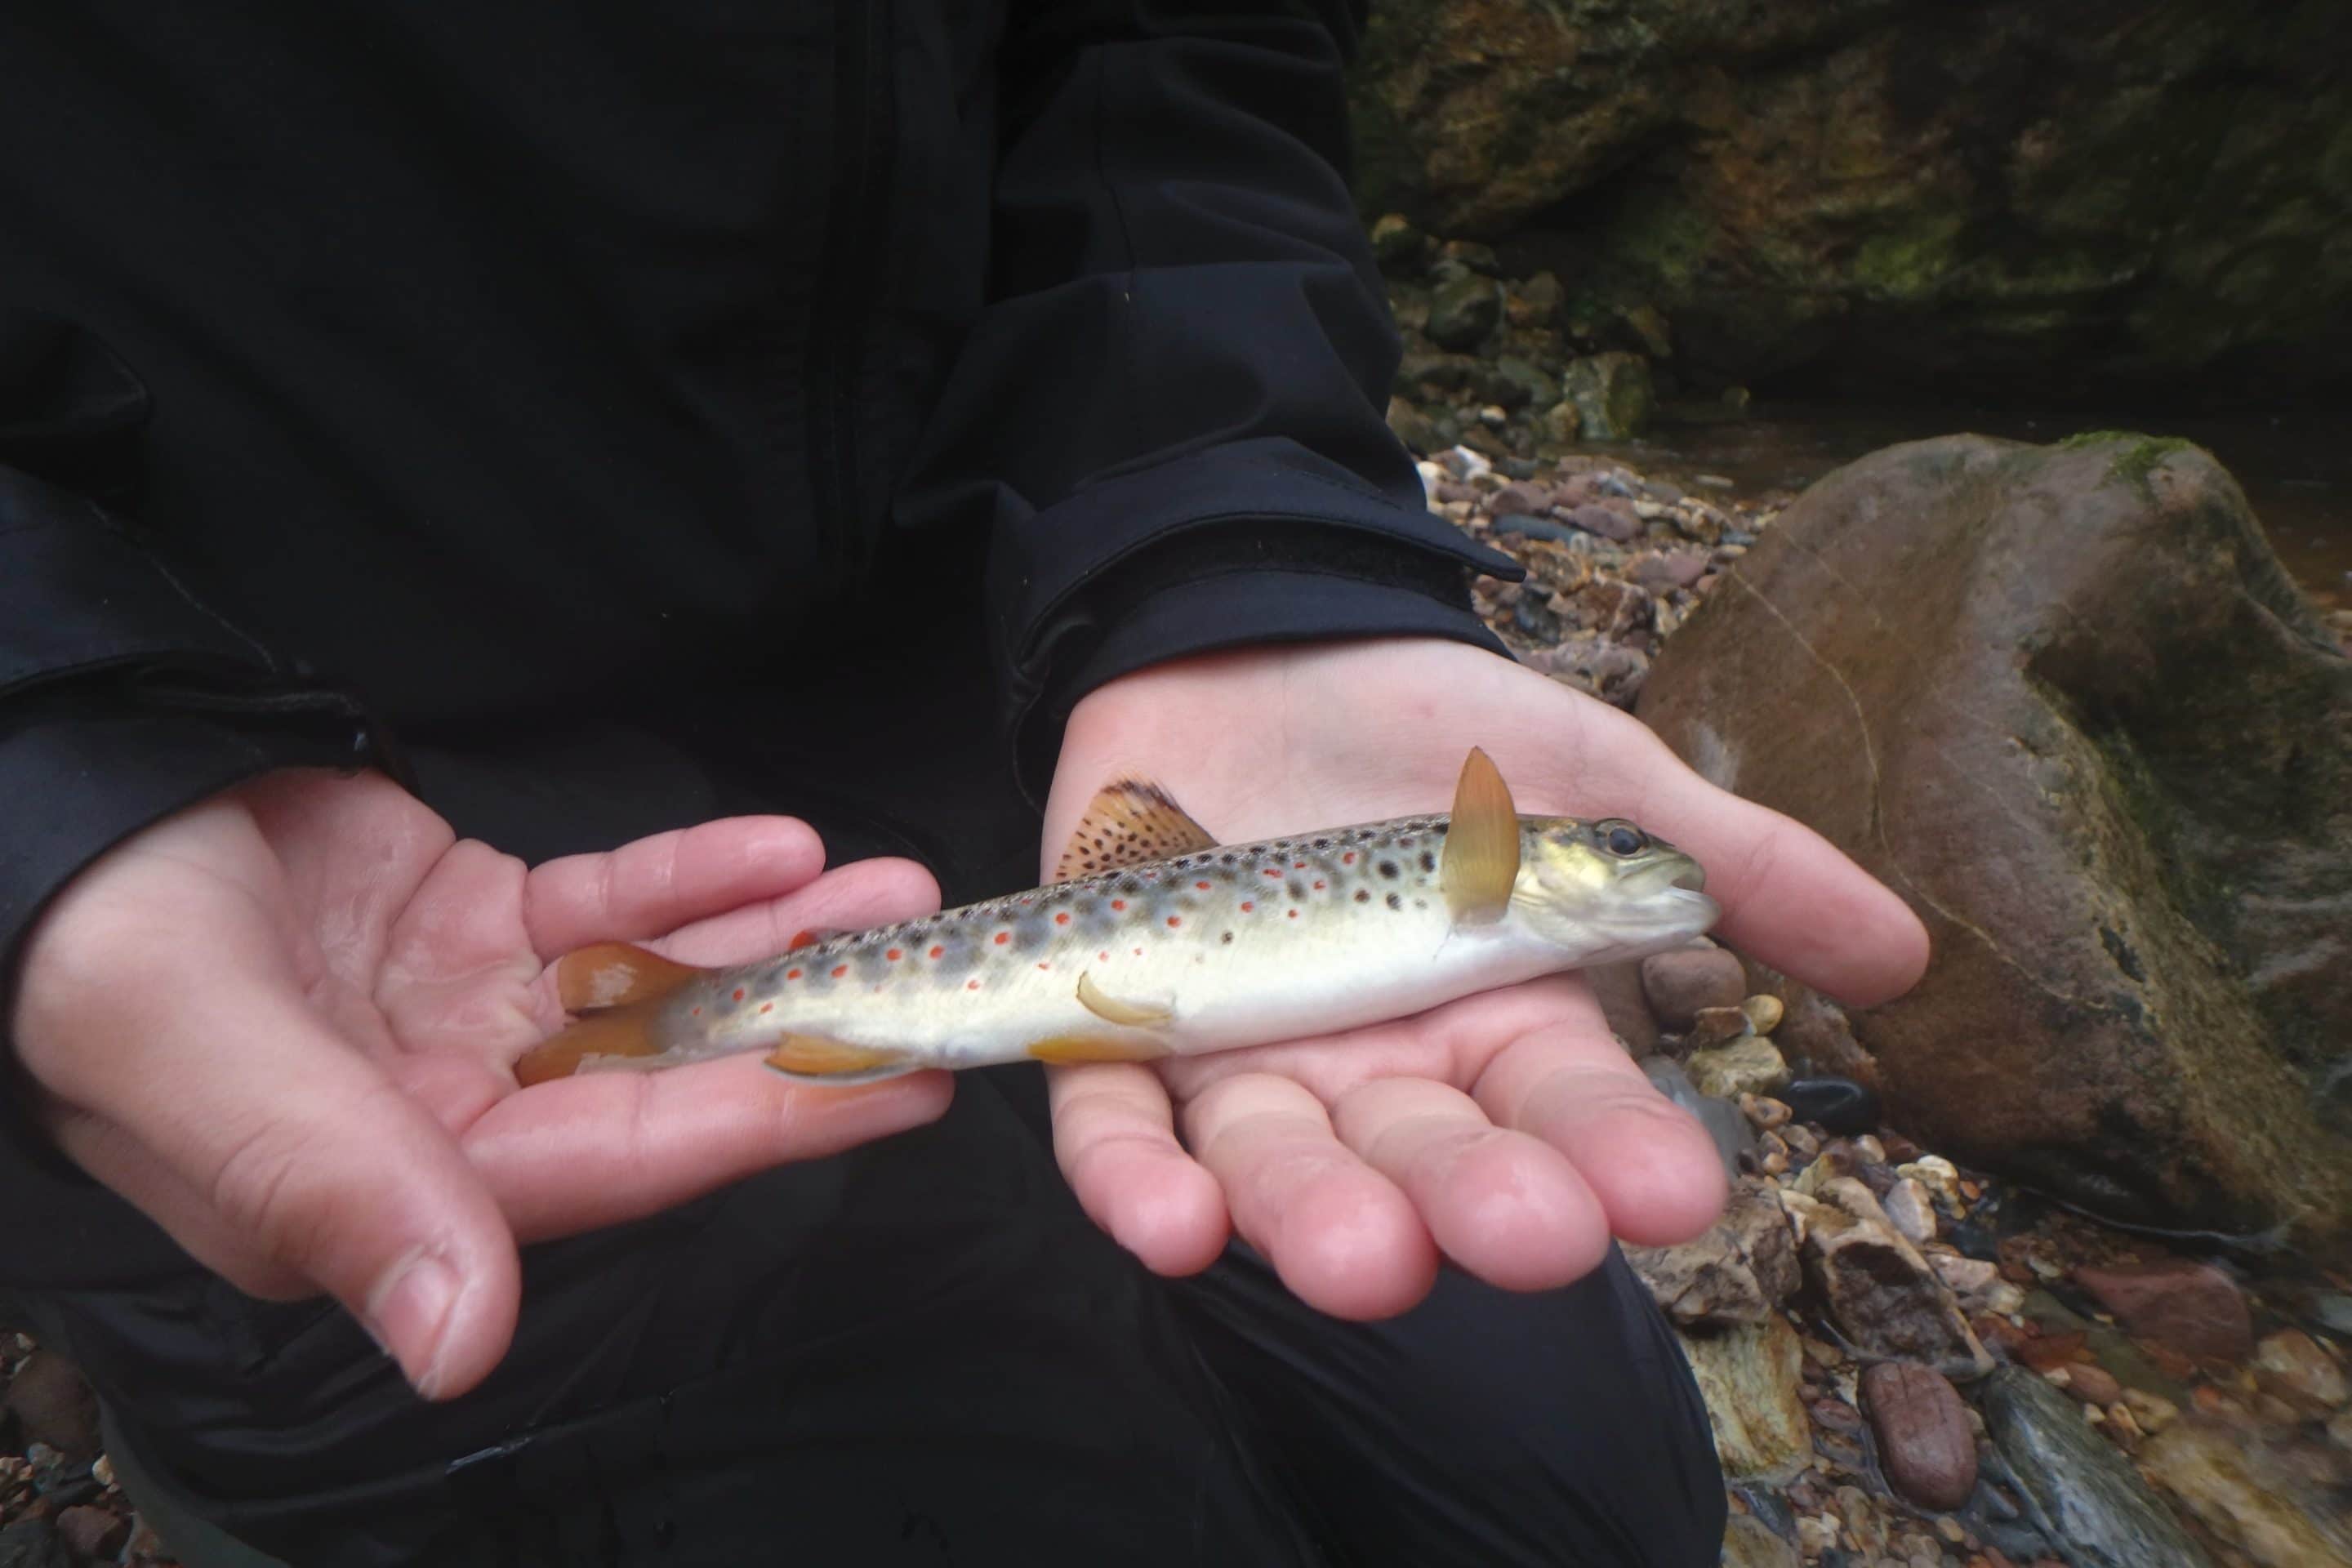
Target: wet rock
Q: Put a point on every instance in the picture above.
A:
(2131, 846)
(93, 1534)
(1836, 1105)
(1464, 312)
(1749, 1543)
(1603, 522)
(1750, 1066)
(2189, 1307)
(1612, 395)
(1739, 1272)
(1750, 1377)
(1969, 1279)
(54, 1405)
(1878, 1288)
(2079, 1486)
(1513, 383)
(1401, 249)
(1925, 1443)
(1907, 1206)
(2093, 1384)
(1734, 1139)
(32, 1543)
(2241, 1493)
(1937, 1174)
(1717, 1025)
(1667, 570)
(1412, 426)
(1680, 984)
(2291, 1367)
(1520, 499)
(1765, 1112)
(1764, 1013)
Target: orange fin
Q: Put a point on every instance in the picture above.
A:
(616, 973)
(1111, 1010)
(625, 1033)
(1064, 1049)
(817, 1059)
(1126, 824)
(1482, 843)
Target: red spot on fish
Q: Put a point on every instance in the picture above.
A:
(739, 993)
(804, 939)
(1118, 904)
(1174, 921)
(1045, 966)
(1138, 953)
(840, 971)
(972, 984)
(1294, 914)
(1246, 908)
(1063, 919)
(697, 1013)
(791, 974)
(936, 951)
(1298, 865)
(1002, 937)
(767, 1006)
(1349, 859)
(894, 956)
(1318, 887)
(1272, 871)
(1104, 957)
(1202, 886)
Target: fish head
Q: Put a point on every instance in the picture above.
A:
(1608, 890)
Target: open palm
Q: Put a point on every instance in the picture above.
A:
(281, 1023)
(1507, 1132)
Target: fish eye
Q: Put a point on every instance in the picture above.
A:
(1624, 838)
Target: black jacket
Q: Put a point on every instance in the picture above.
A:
(382, 370)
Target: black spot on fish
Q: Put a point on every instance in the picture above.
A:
(1428, 861)
(1227, 937)
(1396, 902)
(1363, 895)
(1388, 868)
(1322, 843)
(1298, 889)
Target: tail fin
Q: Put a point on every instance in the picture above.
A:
(621, 1032)
(615, 987)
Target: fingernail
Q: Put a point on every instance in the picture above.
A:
(408, 1311)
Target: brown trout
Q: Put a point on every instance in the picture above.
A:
(1155, 941)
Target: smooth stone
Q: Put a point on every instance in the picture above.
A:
(2291, 1365)
(1837, 1105)
(2189, 1307)
(93, 1533)
(1521, 525)
(1749, 1543)
(1681, 983)
(2079, 1486)
(1925, 1443)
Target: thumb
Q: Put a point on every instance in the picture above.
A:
(283, 1158)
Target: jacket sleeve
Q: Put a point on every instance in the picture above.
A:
(124, 695)
(1173, 411)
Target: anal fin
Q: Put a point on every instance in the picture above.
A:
(1061, 1050)
(1112, 1010)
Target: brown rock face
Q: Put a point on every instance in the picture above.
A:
(2066, 701)
(1925, 1443)
(2192, 1307)
(1739, 1272)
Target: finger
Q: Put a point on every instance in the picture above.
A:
(851, 898)
(584, 1153)
(310, 1163)
(1115, 1139)
(1507, 1207)
(656, 884)
(1651, 1165)
(1342, 1236)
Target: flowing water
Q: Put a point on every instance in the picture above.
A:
(2295, 467)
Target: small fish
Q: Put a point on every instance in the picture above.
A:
(1156, 941)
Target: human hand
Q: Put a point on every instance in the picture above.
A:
(281, 1023)
(1506, 1130)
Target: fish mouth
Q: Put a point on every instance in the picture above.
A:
(1692, 879)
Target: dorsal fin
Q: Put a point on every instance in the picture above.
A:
(1482, 843)
(1126, 824)
(614, 974)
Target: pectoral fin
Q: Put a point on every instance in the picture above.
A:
(1482, 843)
(1111, 1010)
(813, 1058)
(1126, 824)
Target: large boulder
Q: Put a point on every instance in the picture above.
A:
(2065, 701)
(1889, 189)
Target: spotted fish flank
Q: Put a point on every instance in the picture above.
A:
(1160, 941)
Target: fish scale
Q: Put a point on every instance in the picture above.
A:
(1216, 947)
